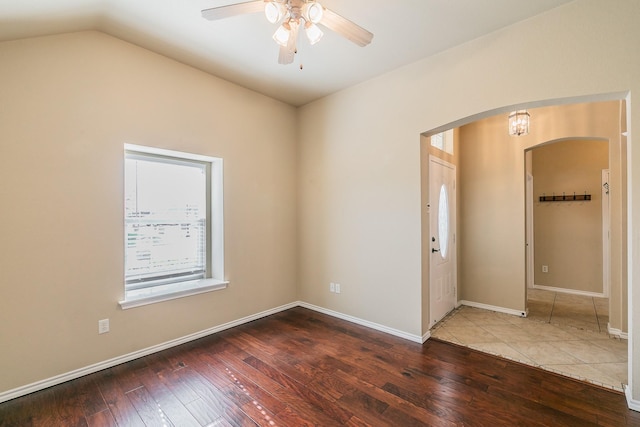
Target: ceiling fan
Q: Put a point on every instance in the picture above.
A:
(293, 15)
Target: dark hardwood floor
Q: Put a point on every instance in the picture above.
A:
(300, 368)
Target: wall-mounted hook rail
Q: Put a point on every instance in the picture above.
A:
(564, 198)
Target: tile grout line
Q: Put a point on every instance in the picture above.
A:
(595, 309)
(553, 304)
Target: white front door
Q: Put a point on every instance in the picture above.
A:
(442, 227)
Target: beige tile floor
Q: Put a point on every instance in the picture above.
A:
(563, 333)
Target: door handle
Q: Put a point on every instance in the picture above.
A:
(434, 250)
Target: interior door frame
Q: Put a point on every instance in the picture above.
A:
(529, 240)
(606, 235)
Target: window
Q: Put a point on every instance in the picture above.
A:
(443, 141)
(172, 225)
(443, 221)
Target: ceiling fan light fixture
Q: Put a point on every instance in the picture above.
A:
(272, 11)
(282, 34)
(314, 33)
(290, 16)
(315, 11)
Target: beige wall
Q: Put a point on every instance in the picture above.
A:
(492, 269)
(360, 197)
(69, 103)
(568, 235)
(357, 205)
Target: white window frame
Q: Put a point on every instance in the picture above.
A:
(215, 279)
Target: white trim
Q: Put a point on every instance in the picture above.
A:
(366, 323)
(634, 405)
(632, 256)
(217, 220)
(529, 229)
(617, 332)
(494, 308)
(426, 336)
(606, 233)
(59, 379)
(569, 291)
(217, 278)
(170, 153)
(156, 294)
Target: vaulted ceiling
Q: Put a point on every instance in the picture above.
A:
(240, 49)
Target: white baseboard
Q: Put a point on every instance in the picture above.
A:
(617, 332)
(376, 326)
(59, 379)
(570, 291)
(494, 308)
(631, 403)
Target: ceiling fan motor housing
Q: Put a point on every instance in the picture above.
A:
(294, 10)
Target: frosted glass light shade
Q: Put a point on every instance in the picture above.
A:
(314, 33)
(273, 12)
(315, 12)
(282, 34)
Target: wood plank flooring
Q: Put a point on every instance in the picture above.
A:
(302, 368)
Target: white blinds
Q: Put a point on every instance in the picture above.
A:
(165, 220)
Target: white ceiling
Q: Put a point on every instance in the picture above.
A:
(240, 49)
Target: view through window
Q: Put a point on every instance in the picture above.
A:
(165, 220)
(443, 141)
(169, 220)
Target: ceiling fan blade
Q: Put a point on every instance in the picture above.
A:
(346, 28)
(223, 12)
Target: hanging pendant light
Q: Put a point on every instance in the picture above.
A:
(519, 123)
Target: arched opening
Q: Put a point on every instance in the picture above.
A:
(492, 204)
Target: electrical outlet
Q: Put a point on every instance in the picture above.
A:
(332, 287)
(337, 288)
(103, 326)
(545, 268)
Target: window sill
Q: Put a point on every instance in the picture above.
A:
(156, 294)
